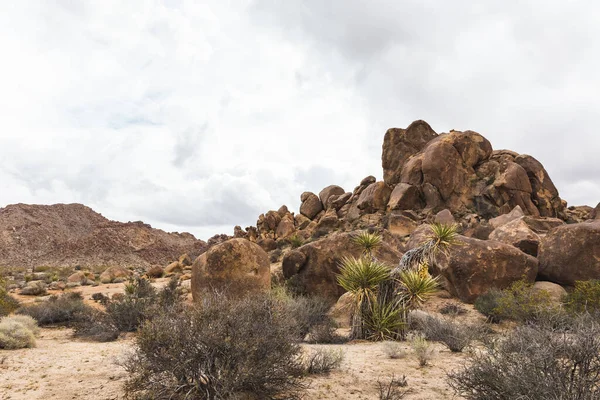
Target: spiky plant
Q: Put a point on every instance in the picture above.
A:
(361, 277)
(368, 242)
(385, 321)
(415, 287)
(440, 239)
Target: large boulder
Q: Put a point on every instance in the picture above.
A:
(115, 274)
(329, 191)
(571, 253)
(544, 193)
(314, 266)
(237, 266)
(400, 144)
(517, 233)
(374, 198)
(405, 197)
(311, 205)
(474, 266)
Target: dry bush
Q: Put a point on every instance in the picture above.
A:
(8, 303)
(66, 308)
(452, 309)
(393, 350)
(16, 334)
(422, 348)
(96, 326)
(454, 335)
(128, 312)
(393, 389)
(536, 362)
(220, 349)
(585, 297)
(323, 361)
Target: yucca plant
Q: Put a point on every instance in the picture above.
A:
(368, 242)
(415, 287)
(440, 239)
(385, 321)
(361, 277)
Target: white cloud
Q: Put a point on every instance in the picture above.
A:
(198, 117)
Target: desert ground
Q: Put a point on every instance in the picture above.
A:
(62, 367)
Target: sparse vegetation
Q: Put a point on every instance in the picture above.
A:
(323, 361)
(231, 347)
(66, 308)
(452, 309)
(585, 297)
(393, 349)
(128, 312)
(393, 389)
(8, 303)
(454, 335)
(422, 348)
(17, 333)
(536, 362)
(295, 241)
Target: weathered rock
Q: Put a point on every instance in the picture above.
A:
(401, 225)
(480, 231)
(314, 266)
(544, 193)
(337, 202)
(475, 266)
(286, 227)
(555, 291)
(542, 225)
(311, 205)
(34, 288)
(329, 191)
(328, 222)
(272, 219)
(301, 221)
(374, 198)
(444, 217)
(368, 180)
(112, 274)
(595, 213)
(238, 232)
(516, 213)
(517, 233)
(400, 144)
(267, 244)
(185, 260)
(155, 272)
(342, 310)
(237, 266)
(174, 268)
(571, 253)
(283, 211)
(83, 278)
(405, 197)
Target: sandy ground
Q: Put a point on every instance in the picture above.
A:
(61, 367)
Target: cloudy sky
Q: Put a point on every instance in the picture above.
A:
(200, 115)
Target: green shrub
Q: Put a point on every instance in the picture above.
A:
(221, 349)
(585, 297)
(129, 311)
(323, 361)
(295, 241)
(66, 308)
(487, 304)
(15, 334)
(8, 304)
(535, 362)
(385, 321)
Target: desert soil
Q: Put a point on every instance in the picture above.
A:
(61, 367)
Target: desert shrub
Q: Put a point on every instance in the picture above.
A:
(8, 303)
(392, 389)
(585, 297)
(129, 311)
(323, 361)
(28, 322)
(221, 349)
(422, 348)
(15, 334)
(34, 288)
(295, 241)
(454, 335)
(521, 303)
(100, 297)
(452, 309)
(417, 286)
(536, 362)
(309, 315)
(487, 303)
(66, 308)
(393, 350)
(384, 321)
(96, 326)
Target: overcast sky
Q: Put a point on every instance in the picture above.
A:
(200, 115)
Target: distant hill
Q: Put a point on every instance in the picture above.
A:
(73, 234)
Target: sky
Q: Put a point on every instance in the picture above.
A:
(198, 116)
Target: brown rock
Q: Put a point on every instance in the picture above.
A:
(401, 225)
(476, 266)
(316, 270)
(516, 213)
(337, 202)
(400, 144)
(113, 273)
(443, 168)
(374, 198)
(267, 244)
(571, 253)
(155, 272)
(237, 266)
(283, 211)
(342, 311)
(185, 260)
(555, 291)
(301, 221)
(517, 233)
(542, 224)
(81, 277)
(368, 180)
(286, 227)
(405, 197)
(544, 193)
(329, 191)
(272, 220)
(311, 205)
(595, 213)
(174, 268)
(444, 217)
